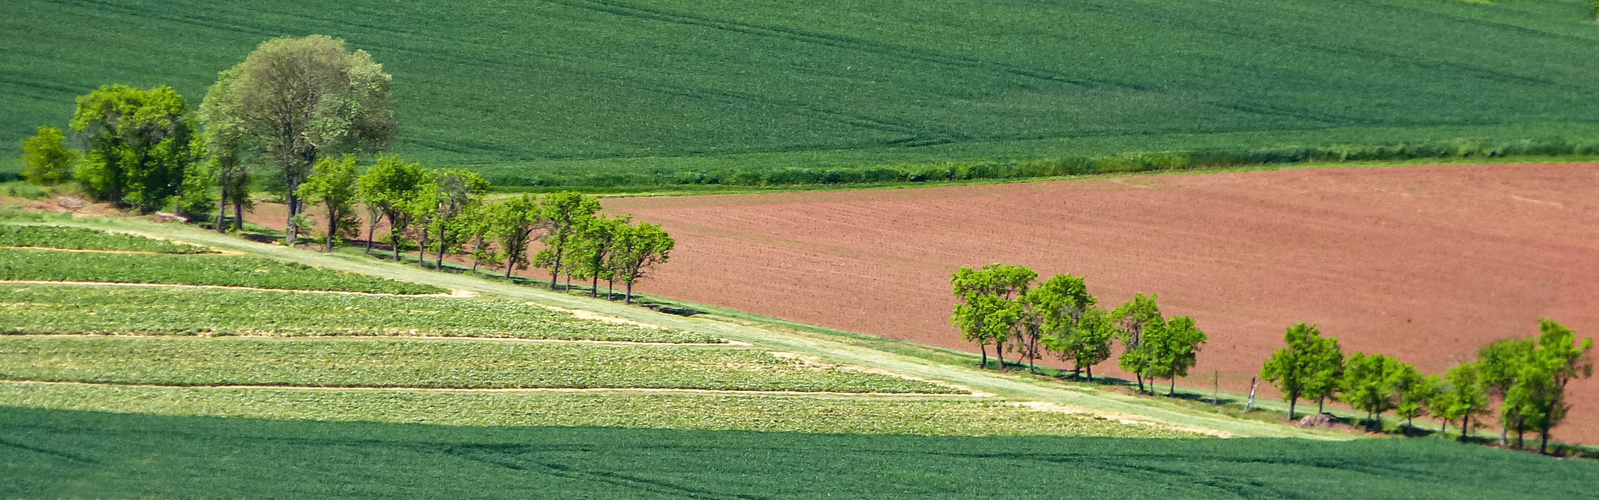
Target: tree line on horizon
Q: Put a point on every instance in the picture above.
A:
(308, 110)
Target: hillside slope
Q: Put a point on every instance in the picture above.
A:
(527, 91)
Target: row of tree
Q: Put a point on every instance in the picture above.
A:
(443, 210)
(1001, 305)
(1526, 378)
(306, 110)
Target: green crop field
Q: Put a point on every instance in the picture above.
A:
(597, 93)
(50, 265)
(53, 453)
(331, 362)
(185, 311)
(78, 238)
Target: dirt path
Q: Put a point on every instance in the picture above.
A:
(647, 390)
(359, 338)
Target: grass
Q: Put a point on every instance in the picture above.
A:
(48, 265)
(181, 361)
(179, 311)
(53, 453)
(659, 93)
(642, 410)
(78, 238)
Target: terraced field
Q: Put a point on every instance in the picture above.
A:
(651, 92)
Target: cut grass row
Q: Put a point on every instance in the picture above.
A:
(752, 412)
(49, 265)
(39, 309)
(181, 361)
(78, 238)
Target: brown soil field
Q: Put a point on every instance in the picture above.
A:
(1426, 263)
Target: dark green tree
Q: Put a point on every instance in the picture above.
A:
(565, 214)
(637, 249)
(1370, 384)
(141, 142)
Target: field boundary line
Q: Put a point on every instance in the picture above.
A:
(453, 293)
(575, 390)
(127, 232)
(213, 253)
(370, 338)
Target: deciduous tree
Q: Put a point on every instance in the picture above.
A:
(637, 250)
(1293, 368)
(458, 190)
(1463, 397)
(983, 320)
(594, 249)
(140, 143)
(46, 159)
(333, 184)
(389, 187)
(513, 223)
(565, 214)
(1369, 384)
(1173, 348)
(1135, 320)
(1059, 305)
(303, 98)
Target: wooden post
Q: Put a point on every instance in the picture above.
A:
(1252, 383)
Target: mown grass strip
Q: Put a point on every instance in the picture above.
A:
(46, 265)
(776, 412)
(424, 364)
(78, 238)
(38, 309)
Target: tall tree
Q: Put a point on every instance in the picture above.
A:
(1500, 364)
(140, 143)
(1293, 368)
(1414, 393)
(388, 188)
(46, 159)
(1173, 349)
(476, 226)
(982, 320)
(458, 190)
(424, 212)
(1326, 372)
(594, 249)
(1086, 342)
(565, 214)
(1540, 389)
(638, 250)
(1135, 320)
(1462, 397)
(1059, 304)
(1369, 384)
(225, 137)
(299, 99)
(513, 223)
(333, 184)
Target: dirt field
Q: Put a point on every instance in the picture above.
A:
(1427, 263)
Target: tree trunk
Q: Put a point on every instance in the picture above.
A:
(422, 249)
(1090, 373)
(439, 264)
(222, 212)
(629, 299)
(1077, 372)
(394, 239)
(1465, 424)
(1293, 400)
(610, 289)
(1543, 441)
(1321, 406)
(984, 348)
(238, 216)
(1140, 376)
(510, 261)
(291, 232)
(371, 229)
(999, 353)
(333, 226)
(594, 288)
(1173, 390)
(555, 272)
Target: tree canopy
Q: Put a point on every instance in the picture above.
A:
(140, 144)
(46, 159)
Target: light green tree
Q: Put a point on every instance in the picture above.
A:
(141, 142)
(512, 225)
(1135, 320)
(1326, 373)
(1086, 343)
(225, 136)
(333, 184)
(458, 190)
(1462, 397)
(1413, 393)
(1539, 393)
(1500, 365)
(1369, 384)
(990, 308)
(1059, 305)
(387, 188)
(637, 250)
(423, 211)
(593, 249)
(565, 214)
(296, 100)
(1172, 349)
(46, 159)
(1294, 369)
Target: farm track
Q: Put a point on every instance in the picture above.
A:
(454, 294)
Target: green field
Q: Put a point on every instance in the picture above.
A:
(602, 93)
(78, 238)
(50, 265)
(327, 362)
(186, 311)
(90, 454)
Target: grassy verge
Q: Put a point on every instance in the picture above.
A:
(424, 363)
(53, 453)
(777, 412)
(78, 238)
(177, 311)
(26, 264)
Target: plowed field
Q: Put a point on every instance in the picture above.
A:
(1427, 263)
